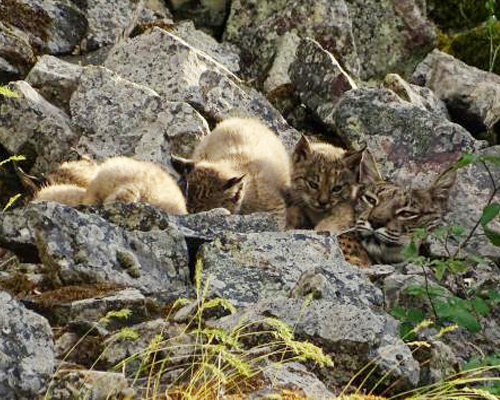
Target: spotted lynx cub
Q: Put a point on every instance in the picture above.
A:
(323, 179)
(387, 214)
(241, 166)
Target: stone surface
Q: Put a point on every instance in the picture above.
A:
(16, 53)
(53, 26)
(31, 126)
(209, 15)
(79, 248)
(180, 72)
(256, 27)
(471, 95)
(26, 349)
(119, 117)
(417, 95)
(390, 36)
(318, 78)
(55, 80)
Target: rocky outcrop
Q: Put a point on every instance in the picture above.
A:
(27, 350)
(471, 95)
(16, 53)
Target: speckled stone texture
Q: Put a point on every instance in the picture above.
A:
(16, 54)
(33, 127)
(119, 117)
(257, 26)
(26, 351)
(471, 95)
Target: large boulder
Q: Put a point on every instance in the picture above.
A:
(16, 53)
(26, 351)
(119, 117)
(33, 127)
(471, 95)
(79, 249)
(180, 72)
(257, 28)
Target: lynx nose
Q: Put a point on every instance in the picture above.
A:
(377, 223)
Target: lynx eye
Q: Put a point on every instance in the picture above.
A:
(407, 214)
(370, 200)
(336, 189)
(313, 185)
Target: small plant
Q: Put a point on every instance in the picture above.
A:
(13, 199)
(491, 25)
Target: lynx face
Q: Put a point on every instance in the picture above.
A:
(322, 177)
(209, 186)
(388, 214)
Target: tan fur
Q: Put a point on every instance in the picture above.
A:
(322, 179)
(71, 195)
(241, 166)
(78, 173)
(123, 179)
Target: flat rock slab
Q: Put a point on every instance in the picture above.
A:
(26, 351)
(79, 248)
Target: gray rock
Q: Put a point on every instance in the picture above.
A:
(26, 351)
(319, 79)
(472, 95)
(257, 29)
(247, 267)
(109, 20)
(417, 95)
(55, 80)
(16, 53)
(209, 15)
(53, 26)
(79, 248)
(31, 126)
(180, 72)
(90, 384)
(119, 117)
(390, 36)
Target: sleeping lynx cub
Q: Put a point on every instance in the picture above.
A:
(241, 166)
(323, 179)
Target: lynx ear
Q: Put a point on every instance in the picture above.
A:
(232, 181)
(183, 166)
(352, 160)
(368, 171)
(302, 149)
(440, 189)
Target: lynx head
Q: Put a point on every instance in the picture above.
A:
(388, 214)
(210, 185)
(322, 175)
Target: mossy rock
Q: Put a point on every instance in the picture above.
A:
(473, 46)
(459, 14)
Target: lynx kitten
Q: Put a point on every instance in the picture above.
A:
(127, 180)
(323, 178)
(241, 166)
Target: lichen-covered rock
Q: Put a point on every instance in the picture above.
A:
(55, 80)
(417, 95)
(390, 36)
(79, 248)
(53, 26)
(26, 349)
(318, 78)
(247, 267)
(119, 117)
(180, 72)
(256, 27)
(89, 384)
(16, 54)
(31, 126)
(108, 20)
(471, 95)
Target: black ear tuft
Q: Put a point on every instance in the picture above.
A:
(183, 166)
(302, 149)
(232, 181)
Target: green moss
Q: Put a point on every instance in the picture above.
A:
(473, 46)
(459, 14)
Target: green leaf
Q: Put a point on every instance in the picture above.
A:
(490, 158)
(7, 92)
(415, 290)
(465, 160)
(464, 318)
(489, 213)
(398, 312)
(411, 251)
(12, 158)
(481, 306)
(415, 315)
(473, 363)
(457, 231)
(458, 266)
(11, 201)
(493, 236)
(440, 269)
(440, 232)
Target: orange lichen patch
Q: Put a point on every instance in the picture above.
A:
(67, 294)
